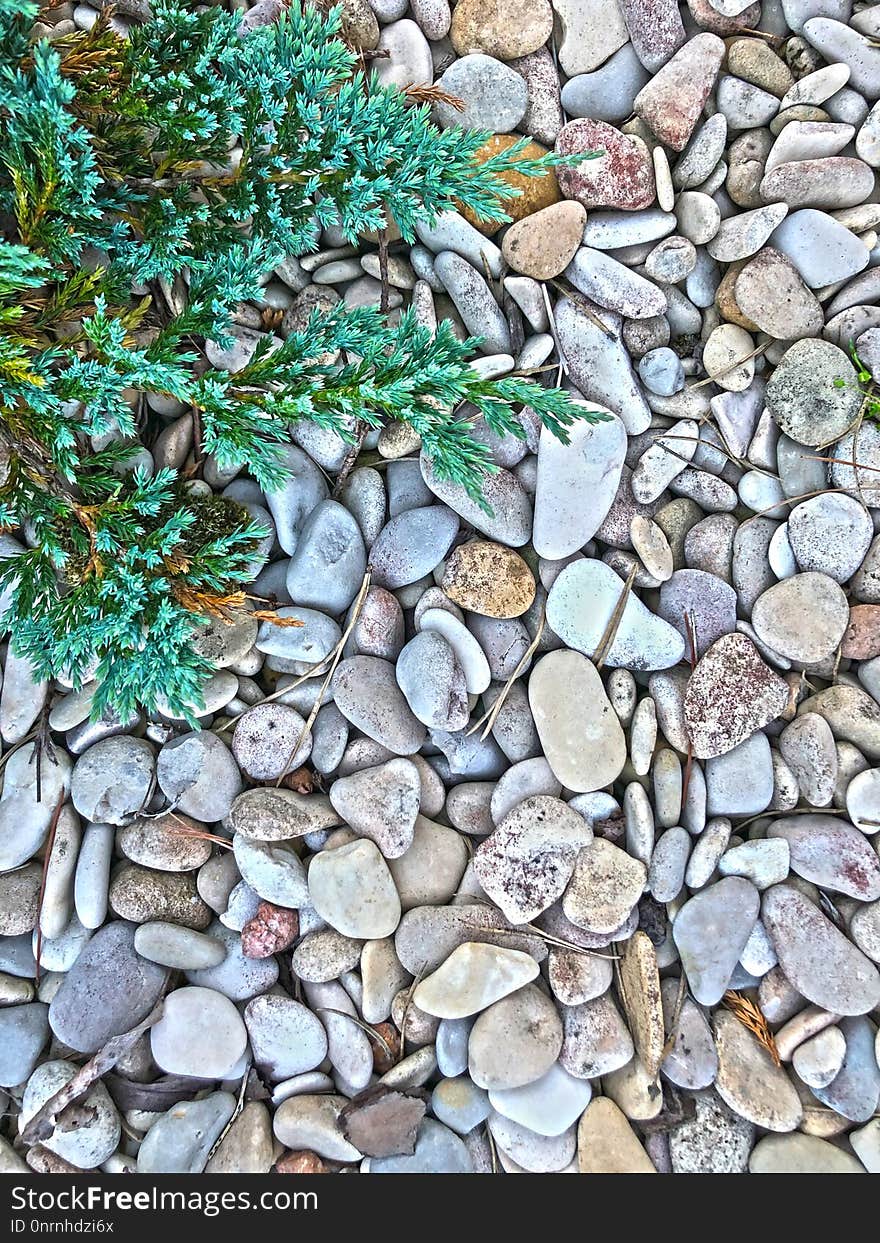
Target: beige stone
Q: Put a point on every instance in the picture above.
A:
(502, 28)
(490, 579)
(543, 244)
(247, 1147)
(473, 977)
(606, 885)
(579, 730)
(749, 1081)
(607, 1144)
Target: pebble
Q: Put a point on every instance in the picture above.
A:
(472, 978)
(468, 653)
(526, 863)
(290, 505)
(273, 870)
(741, 782)
(141, 895)
(494, 96)
(198, 774)
(24, 825)
(830, 534)
(548, 1106)
(584, 754)
(823, 250)
(742, 236)
(770, 292)
(285, 1037)
(710, 932)
(715, 1141)
(607, 1144)
(510, 520)
(113, 779)
(309, 641)
(731, 694)
(182, 949)
(596, 1039)
(502, 28)
(831, 853)
(91, 880)
(107, 991)
(800, 1154)
(673, 100)
(490, 579)
(542, 244)
(352, 889)
(846, 46)
(802, 618)
(366, 693)
(155, 844)
(749, 1081)
(855, 1090)
(267, 814)
(411, 544)
(607, 93)
(95, 1138)
(474, 301)
(311, 1123)
(182, 1139)
(24, 1030)
(623, 177)
(433, 682)
(604, 888)
(580, 606)
(816, 957)
(589, 36)
(461, 1105)
(381, 803)
(327, 566)
(820, 1058)
(515, 1040)
(247, 1146)
(438, 1151)
(200, 1033)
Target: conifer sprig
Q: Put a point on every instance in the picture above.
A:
(148, 186)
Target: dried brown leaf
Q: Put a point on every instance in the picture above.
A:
(751, 1018)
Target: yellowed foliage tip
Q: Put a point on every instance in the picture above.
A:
(271, 616)
(752, 1018)
(425, 93)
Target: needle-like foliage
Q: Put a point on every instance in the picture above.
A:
(148, 186)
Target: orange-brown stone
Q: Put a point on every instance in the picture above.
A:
(862, 638)
(536, 192)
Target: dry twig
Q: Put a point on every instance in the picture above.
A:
(334, 658)
(614, 621)
(44, 1121)
(50, 842)
(489, 718)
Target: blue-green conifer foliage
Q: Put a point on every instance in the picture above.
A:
(130, 237)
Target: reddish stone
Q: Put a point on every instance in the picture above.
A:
(301, 781)
(271, 930)
(673, 101)
(655, 28)
(384, 1055)
(862, 638)
(622, 177)
(303, 1162)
